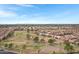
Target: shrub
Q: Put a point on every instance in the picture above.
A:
(50, 41)
(68, 47)
(37, 48)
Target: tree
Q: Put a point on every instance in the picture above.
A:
(28, 36)
(68, 47)
(6, 45)
(54, 52)
(10, 45)
(24, 47)
(50, 41)
(42, 41)
(36, 39)
(31, 28)
(10, 34)
(28, 30)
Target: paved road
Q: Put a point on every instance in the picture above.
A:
(6, 52)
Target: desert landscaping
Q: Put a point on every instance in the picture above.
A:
(40, 38)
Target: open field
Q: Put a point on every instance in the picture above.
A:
(40, 39)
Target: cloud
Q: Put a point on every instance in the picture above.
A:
(6, 13)
(14, 18)
(27, 5)
(10, 16)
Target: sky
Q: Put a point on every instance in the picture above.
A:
(39, 13)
